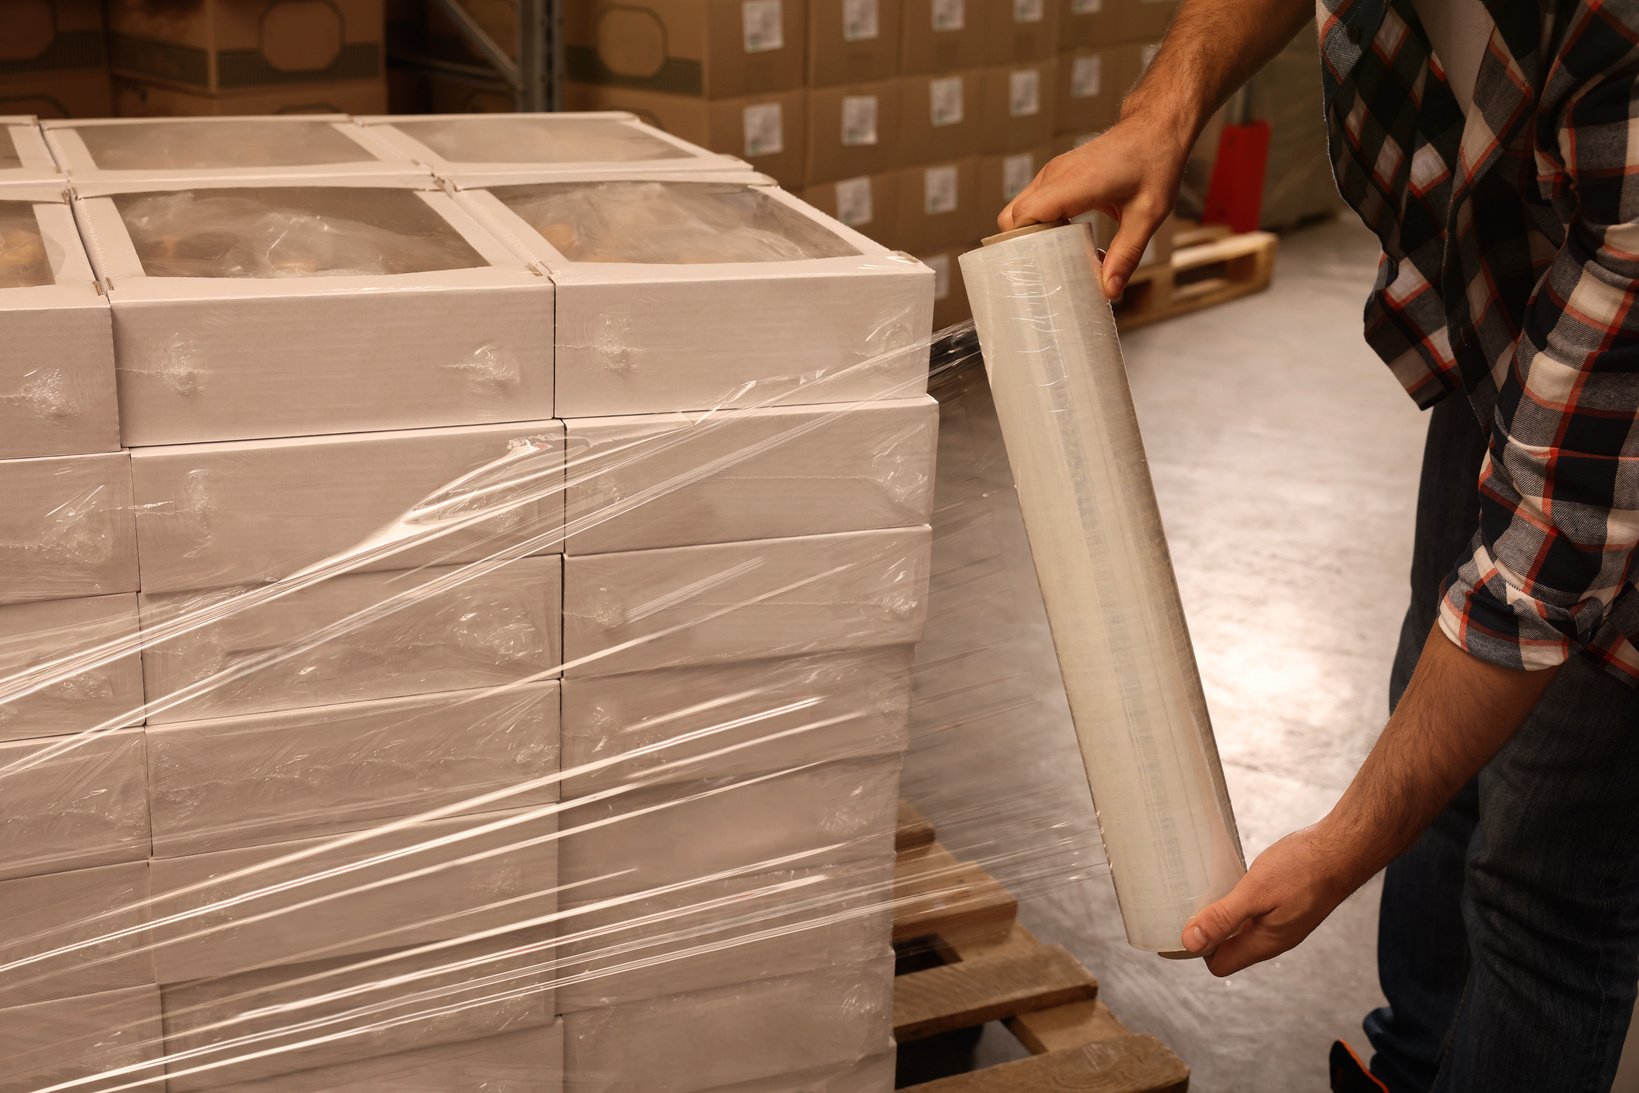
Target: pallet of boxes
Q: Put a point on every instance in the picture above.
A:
(460, 580)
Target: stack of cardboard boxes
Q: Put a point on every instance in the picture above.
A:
(53, 59)
(703, 620)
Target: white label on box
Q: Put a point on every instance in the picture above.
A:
(940, 264)
(860, 20)
(1147, 55)
(763, 25)
(1023, 92)
(939, 190)
(948, 15)
(854, 202)
(858, 120)
(765, 129)
(1086, 7)
(1029, 11)
(1017, 171)
(1085, 73)
(945, 101)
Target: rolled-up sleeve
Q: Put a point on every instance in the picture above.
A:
(1559, 488)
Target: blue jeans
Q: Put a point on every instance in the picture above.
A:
(1508, 946)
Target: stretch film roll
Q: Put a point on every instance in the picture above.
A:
(1067, 420)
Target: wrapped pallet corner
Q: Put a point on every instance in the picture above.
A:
(479, 632)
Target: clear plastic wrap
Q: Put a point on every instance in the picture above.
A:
(537, 756)
(23, 261)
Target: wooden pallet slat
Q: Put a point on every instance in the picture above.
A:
(1209, 266)
(1127, 1064)
(971, 992)
(936, 894)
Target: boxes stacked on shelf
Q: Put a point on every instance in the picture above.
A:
(53, 59)
(228, 57)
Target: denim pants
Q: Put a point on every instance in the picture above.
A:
(1508, 946)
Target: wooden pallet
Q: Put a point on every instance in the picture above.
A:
(1209, 266)
(987, 967)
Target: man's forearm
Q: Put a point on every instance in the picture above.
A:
(1211, 48)
(1456, 714)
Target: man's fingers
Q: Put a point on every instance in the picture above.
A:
(1253, 945)
(1126, 250)
(1217, 922)
(1004, 219)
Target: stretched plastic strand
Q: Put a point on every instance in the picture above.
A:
(1071, 434)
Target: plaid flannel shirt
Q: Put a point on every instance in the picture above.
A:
(1509, 274)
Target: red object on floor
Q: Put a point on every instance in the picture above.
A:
(1234, 197)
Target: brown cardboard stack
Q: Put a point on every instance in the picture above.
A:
(246, 57)
(53, 61)
(1286, 93)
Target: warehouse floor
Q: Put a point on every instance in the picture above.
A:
(1285, 458)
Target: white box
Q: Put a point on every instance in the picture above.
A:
(639, 841)
(273, 777)
(75, 933)
(23, 153)
(350, 638)
(664, 480)
(746, 1033)
(530, 1061)
(689, 292)
(447, 329)
(69, 666)
(240, 512)
(483, 147)
(153, 149)
(71, 1039)
(678, 724)
(719, 932)
(341, 1013)
(743, 601)
(72, 803)
(314, 899)
(57, 371)
(66, 528)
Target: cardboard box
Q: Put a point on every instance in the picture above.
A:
(1016, 107)
(853, 130)
(92, 922)
(768, 131)
(663, 1046)
(63, 1042)
(657, 329)
(941, 36)
(743, 601)
(1088, 24)
(939, 116)
(722, 931)
(352, 1013)
(441, 326)
(349, 638)
(750, 474)
(454, 95)
(679, 724)
(1137, 19)
(118, 149)
(853, 41)
(237, 45)
(99, 686)
(866, 204)
(1021, 30)
(939, 207)
(950, 303)
(530, 1061)
(73, 804)
(45, 39)
(23, 153)
(242, 512)
(234, 782)
(872, 1075)
(628, 843)
(1003, 177)
(317, 899)
(135, 98)
(57, 93)
(714, 49)
(57, 374)
(67, 529)
(1089, 89)
(538, 145)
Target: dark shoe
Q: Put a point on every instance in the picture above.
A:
(1349, 1074)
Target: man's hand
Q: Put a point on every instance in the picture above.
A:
(1130, 173)
(1289, 890)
